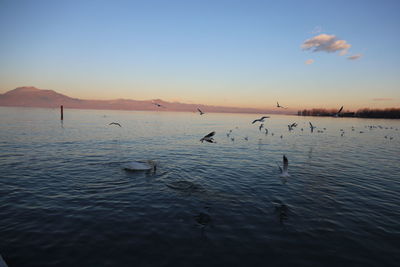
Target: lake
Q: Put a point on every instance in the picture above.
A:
(66, 200)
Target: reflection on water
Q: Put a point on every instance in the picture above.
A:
(65, 199)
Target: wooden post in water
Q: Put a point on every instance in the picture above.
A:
(62, 112)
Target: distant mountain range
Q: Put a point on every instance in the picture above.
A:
(34, 97)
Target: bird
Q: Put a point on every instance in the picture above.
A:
(115, 123)
(337, 113)
(232, 139)
(260, 119)
(291, 126)
(158, 105)
(141, 165)
(279, 106)
(284, 171)
(201, 112)
(266, 131)
(312, 127)
(246, 138)
(208, 138)
(261, 126)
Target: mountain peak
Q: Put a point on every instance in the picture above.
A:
(23, 89)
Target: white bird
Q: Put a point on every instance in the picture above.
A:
(279, 106)
(337, 113)
(260, 119)
(201, 112)
(284, 171)
(143, 165)
(312, 127)
(208, 138)
(115, 123)
(291, 126)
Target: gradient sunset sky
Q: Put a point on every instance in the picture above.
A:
(234, 53)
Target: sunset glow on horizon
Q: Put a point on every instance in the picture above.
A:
(304, 54)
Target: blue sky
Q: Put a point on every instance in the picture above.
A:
(240, 53)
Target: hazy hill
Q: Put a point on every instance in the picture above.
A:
(34, 97)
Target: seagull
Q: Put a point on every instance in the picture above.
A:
(115, 123)
(261, 126)
(279, 106)
(312, 127)
(284, 171)
(337, 113)
(158, 105)
(208, 138)
(291, 126)
(201, 112)
(260, 119)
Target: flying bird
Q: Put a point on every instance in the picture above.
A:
(261, 126)
(284, 171)
(291, 126)
(115, 123)
(201, 112)
(158, 105)
(208, 138)
(279, 106)
(312, 127)
(260, 119)
(337, 113)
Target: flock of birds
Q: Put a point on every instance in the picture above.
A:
(203, 218)
(151, 165)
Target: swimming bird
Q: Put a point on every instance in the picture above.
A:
(115, 123)
(201, 112)
(208, 138)
(284, 171)
(260, 119)
(279, 106)
(142, 165)
(312, 127)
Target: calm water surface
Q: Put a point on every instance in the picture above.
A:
(65, 199)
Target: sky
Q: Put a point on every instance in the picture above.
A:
(304, 54)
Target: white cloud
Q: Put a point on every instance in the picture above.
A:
(326, 43)
(355, 57)
(309, 61)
